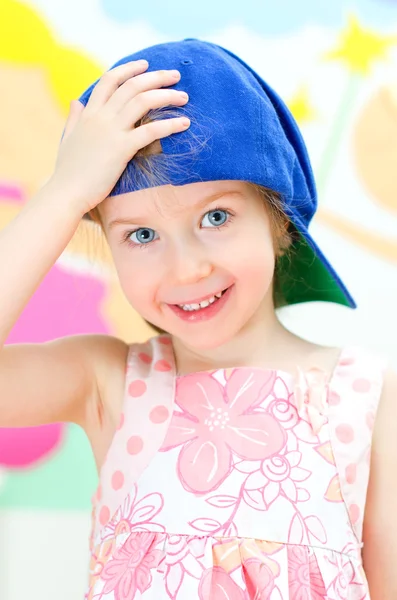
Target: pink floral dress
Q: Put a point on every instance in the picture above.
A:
(237, 484)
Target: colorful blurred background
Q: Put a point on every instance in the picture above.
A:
(335, 63)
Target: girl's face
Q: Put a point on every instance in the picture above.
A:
(175, 248)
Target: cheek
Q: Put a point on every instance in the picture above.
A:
(254, 260)
(137, 282)
(257, 276)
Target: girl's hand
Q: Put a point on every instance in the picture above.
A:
(101, 138)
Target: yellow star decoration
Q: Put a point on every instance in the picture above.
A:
(360, 48)
(301, 107)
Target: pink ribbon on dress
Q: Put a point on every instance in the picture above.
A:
(311, 393)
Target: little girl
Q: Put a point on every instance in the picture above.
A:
(233, 456)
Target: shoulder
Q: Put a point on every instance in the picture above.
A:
(389, 391)
(384, 437)
(325, 358)
(108, 357)
(104, 359)
(101, 352)
(106, 347)
(361, 366)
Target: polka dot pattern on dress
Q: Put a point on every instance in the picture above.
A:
(150, 376)
(145, 358)
(357, 382)
(159, 414)
(134, 445)
(117, 480)
(351, 473)
(333, 398)
(354, 513)
(347, 361)
(104, 515)
(345, 433)
(137, 388)
(162, 365)
(361, 385)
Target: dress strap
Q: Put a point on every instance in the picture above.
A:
(354, 392)
(147, 411)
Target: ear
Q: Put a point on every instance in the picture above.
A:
(284, 238)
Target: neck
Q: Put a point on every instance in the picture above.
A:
(254, 345)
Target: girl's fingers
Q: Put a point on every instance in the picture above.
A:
(139, 106)
(156, 130)
(76, 108)
(111, 81)
(142, 83)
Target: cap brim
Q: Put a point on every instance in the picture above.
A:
(305, 275)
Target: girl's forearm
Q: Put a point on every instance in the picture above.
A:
(29, 246)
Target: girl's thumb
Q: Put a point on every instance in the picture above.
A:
(76, 108)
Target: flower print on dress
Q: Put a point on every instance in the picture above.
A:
(231, 553)
(182, 558)
(135, 515)
(304, 576)
(259, 579)
(99, 557)
(311, 391)
(128, 572)
(284, 405)
(218, 421)
(348, 575)
(272, 477)
(333, 493)
(216, 584)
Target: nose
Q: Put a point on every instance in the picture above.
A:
(189, 263)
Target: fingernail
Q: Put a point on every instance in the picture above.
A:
(183, 95)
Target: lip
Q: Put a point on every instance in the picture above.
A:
(203, 314)
(197, 300)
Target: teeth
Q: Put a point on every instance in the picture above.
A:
(202, 304)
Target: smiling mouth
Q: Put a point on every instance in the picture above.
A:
(203, 304)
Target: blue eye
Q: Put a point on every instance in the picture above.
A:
(215, 217)
(144, 235)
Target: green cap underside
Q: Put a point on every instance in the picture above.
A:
(302, 277)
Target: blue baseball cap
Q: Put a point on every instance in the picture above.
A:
(240, 130)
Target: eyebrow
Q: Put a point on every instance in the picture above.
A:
(200, 204)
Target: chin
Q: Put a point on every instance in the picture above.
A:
(205, 342)
(216, 332)
(208, 337)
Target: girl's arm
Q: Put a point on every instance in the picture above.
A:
(39, 383)
(72, 379)
(380, 523)
(65, 379)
